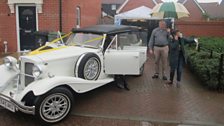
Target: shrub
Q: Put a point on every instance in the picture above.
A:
(205, 65)
(212, 43)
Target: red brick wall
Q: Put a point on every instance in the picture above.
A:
(7, 27)
(90, 13)
(201, 28)
(49, 19)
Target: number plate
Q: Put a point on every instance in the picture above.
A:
(7, 105)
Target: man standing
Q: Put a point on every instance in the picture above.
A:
(158, 45)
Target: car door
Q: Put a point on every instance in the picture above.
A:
(125, 59)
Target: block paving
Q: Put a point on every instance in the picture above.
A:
(148, 103)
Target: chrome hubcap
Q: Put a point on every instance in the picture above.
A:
(91, 69)
(55, 106)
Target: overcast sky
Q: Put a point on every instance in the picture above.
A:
(203, 1)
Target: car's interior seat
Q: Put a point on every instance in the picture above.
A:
(123, 41)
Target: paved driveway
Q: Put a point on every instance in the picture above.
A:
(149, 102)
(152, 100)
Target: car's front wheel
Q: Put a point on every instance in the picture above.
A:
(54, 106)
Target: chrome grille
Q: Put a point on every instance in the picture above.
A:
(28, 73)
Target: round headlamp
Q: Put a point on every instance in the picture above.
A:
(37, 71)
(10, 62)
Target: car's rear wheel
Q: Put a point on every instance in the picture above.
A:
(89, 67)
(54, 106)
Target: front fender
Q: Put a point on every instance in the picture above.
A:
(79, 85)
(6, 76)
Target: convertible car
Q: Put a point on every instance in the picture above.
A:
(44, 81)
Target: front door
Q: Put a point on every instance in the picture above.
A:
(27, 27)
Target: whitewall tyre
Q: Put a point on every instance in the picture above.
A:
(54, 106)
(88, 67)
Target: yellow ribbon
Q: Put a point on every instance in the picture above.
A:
(94, 39)
(91, 40)
(39, 50)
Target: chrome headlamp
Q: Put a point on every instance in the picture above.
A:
(38, 71)
(10, 62)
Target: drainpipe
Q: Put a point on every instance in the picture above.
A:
(60, 15)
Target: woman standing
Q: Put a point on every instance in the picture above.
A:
(177, 57)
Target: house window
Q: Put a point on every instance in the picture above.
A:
(78, 17)
(113, 7)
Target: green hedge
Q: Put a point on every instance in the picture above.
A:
(213, 43)
(205, 66)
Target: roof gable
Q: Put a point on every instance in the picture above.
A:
(195, 10)
(132, 4)
(214, 10)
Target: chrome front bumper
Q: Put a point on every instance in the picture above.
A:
(12, 105)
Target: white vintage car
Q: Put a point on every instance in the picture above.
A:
(44, 81)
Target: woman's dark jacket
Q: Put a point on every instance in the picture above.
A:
(176, 50)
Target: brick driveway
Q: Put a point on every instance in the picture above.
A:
(148, 101)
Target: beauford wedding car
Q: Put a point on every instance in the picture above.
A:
(43, 82)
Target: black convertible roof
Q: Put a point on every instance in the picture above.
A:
(106, 29)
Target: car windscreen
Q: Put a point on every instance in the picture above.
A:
(85, 40)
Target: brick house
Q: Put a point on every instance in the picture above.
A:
(195, 10)
(132, 4)
(203, 11)
(202, 20)
(19, 19)
(214, 11)
(110, 6)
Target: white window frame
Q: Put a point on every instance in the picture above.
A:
(113, 7)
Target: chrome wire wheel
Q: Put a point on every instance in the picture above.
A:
(55, 107)
(91, 68)
(88, 66)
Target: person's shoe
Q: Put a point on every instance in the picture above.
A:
(178, 84)
(164, 78)
(120, 85)
(126, 87)
(169, 82)
(155, 76)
